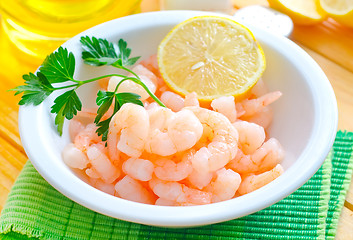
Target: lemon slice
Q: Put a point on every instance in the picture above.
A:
(340, 10)
(212, 56)
(304, 12)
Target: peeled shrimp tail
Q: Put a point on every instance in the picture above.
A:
(129, 128)
(191, 100)
(251, 106)
(263, 117)
(172, 100)
(226, 106)
(254, 182)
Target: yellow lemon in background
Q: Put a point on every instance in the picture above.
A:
(304, 12)
(340, 10)
(212, 56)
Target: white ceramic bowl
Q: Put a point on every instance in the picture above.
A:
(305, 122)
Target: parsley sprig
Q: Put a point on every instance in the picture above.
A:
(98, 52)
(57, 73)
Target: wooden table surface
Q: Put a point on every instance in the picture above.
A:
(329, 44)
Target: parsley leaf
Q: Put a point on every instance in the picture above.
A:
(103, 128)
(65, 106)
(104, 101)
(36, 89)
(59, 66)
(124, 51)
(59, 121)
(131, 61)
(127, 97)
(98, 52)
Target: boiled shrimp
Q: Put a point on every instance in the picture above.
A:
(172, 132)
(177, 192)
(128, 130)
(152, 64)
(145, 73)
(270, 154)
(73, 157)
(251, 106)
(150, 105)
(158, 141)
(168, 170)
(259, 88)
(191, 100)
(185, 129)
(251, 136)
(139, 169)
(103, 186)
(198, 179)
(226, 106)
(75, 127)
(87, 114)
(172, 100)
(223, 146)
(254, 182)
(86, 137)
(92, 173)
(225, 185)
(102, 165)
(130, 189)
(263, 159)
(164, 202)
(263, 117)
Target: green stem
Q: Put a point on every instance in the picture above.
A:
(80, 83)
(122, 80)
(130, 71)
(134, 79)
(137, 80)
(67, 86)
(97, 78)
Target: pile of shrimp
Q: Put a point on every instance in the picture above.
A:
(182, 155)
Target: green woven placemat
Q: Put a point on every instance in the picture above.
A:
(340, 180)
(34, 209)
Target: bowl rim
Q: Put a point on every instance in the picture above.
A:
(33, 140)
